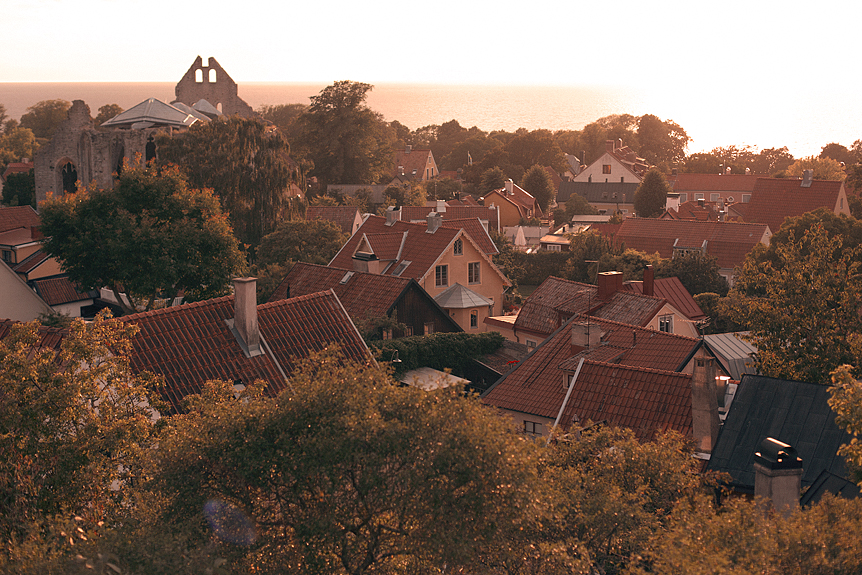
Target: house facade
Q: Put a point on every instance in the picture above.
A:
(412, 164)
(618, 163)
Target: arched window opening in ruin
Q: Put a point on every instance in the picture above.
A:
(212, 76)
(199, 76)
(218, 107)
(121, 156)
(150, 150)
(69, 175)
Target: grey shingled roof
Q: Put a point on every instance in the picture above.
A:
(794, 412)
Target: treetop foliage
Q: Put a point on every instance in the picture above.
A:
(651, 195)
(151, 235)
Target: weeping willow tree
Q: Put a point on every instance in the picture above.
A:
(248, 166)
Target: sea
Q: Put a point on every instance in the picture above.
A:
(802, 117)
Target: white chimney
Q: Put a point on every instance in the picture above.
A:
(393, 215)
(704, 404)
(441, 206)
(434, 220)
(510, 187)
(245, 313)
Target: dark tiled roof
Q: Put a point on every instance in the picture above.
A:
(729, 242)
(599, 192)
(31, 262)
(775, 199)
(191, 344)
(794, 412)
(56, 291)
(18, 217)
(558, 299)
(672, 290)
(643, 399)
(344, 216)
(415, 159)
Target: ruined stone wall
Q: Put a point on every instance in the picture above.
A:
(95, 154)
(213, 84)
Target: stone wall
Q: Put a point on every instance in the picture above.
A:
(213, 84)
(95, 155)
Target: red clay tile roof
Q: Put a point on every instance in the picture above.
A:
(774, 199)
(729, 242)
(476, 231)
(694, 211)
(56, 291)
(344, 216)
(18, 217)
(453, 212)
(415, 159)
(686, 183)
(362, 292)
(641, 398)
(672, 290)
(191, 344)
(557, 299)
(50, 337)
(17, 168)
(417, 246)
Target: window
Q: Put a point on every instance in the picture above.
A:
(698, 196)
(387, 333)
(683, 198)
(746, 198)
(554, 247)
(665, 323)
(533, 427)
(714, 197)
(408, 331)
(399, 269)
(458, 247)
(429, 328)
(473, 273)
(606, 168)
(474, 319)
(7, 256)
(441, 276)
(531, 345)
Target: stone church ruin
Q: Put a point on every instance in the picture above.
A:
(79, 153)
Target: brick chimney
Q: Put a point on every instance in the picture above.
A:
(777, 475)
(245, 314)
(585, 336)
(704, 404)
(649, 281)
(610, 145)
(434, 220)
(609, 284)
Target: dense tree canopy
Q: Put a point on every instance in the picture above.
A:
(151, 235)
(20, 189)
(824, 168)
(537, 182)
(347, 141)
(247, 165)
(697, 272)
(309, 241)
(651, 195)
(107, 112)
(17, 143)
(44, 117)
(283, 116)
(661, 142)
(802, 308)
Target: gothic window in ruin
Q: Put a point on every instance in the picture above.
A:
(150, 150)
(69, 176)
(118, 167)
(199, 76)
(218, 107)
(212, 76)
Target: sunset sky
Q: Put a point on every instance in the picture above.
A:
(670, 42)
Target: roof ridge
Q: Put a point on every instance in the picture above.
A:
(175, 308)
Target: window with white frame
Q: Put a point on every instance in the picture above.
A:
(698, 197)
(665, 323)
(746, 198)
(714, 197)
(473, 273)
(554, 247)
(441, 276)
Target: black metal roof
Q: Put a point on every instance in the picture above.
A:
(794, 412)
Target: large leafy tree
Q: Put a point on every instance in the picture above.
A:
(309, 241)
(347, 141)
(537, 147)
(20, 189)
(17, 143)
(44, 117)
(151, 235)
(697, 272)
(74, 423)
(245, 163)
(661, 142)
(347, 472)
(538, 183)
(825, 168)
(651, 195)
(802, 306)
(107, 112)
(283, 116)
